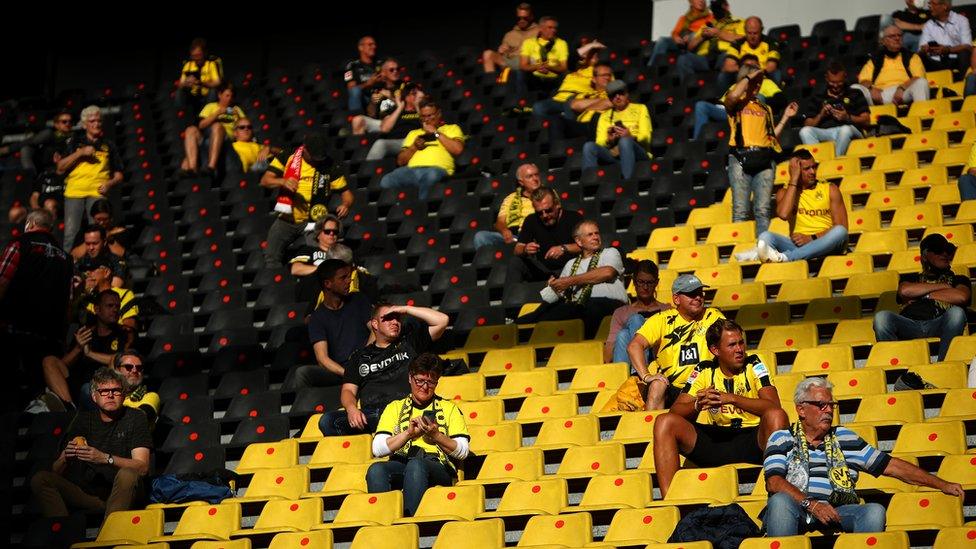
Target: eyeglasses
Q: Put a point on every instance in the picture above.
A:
(648, 283)
(131, 367)
(63, 121)
(245, 127)
(822, 405)
(899, 35)
(425, 382)
(115, 391)
(330, 231)
(547, 211)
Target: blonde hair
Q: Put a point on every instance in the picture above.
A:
(90, 112)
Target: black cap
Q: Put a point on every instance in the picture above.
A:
(316, 148)
(91, 263)
(936, 243)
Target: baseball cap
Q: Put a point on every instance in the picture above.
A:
(617, 86)
(92, 263)
(315, 146)
(686, 284)
(936, 243)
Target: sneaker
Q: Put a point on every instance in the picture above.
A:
(748, 255)
(770, 255)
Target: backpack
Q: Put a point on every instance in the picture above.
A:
(725, 526)
(877, 60)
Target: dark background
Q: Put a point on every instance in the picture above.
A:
(111, 44)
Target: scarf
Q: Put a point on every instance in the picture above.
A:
(403, 423)
(584, 291)
(798, 467)
(514, 213)
(292, 171)
(691, 16)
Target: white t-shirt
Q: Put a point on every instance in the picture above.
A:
(609, 257)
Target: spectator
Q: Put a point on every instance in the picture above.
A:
(377, 373)
(104, 458)
(98, 278)
(428, 154)
(585, 107)
(935, 300)
(325, 245)
(423, 435)
(200, 76)
(383, 99)
(337, 328)
(695, 19)
(129, 363)
(507, 55)
(588, 288)
(627, 319)
(514, 210)
(220, 117)
(753, 145)
(893, 75)
(970, 86)
(253, 156)
(709, 47)
(91, 167)
(545, 240)
(678, 338)
(101, 214)
(542, 59)
(755, 43)
(37, 151)
(95, 247)
(910, 20)
(811, 469)
(581, 91)
(839, 114)
(707, 111)
(742, 404)
(946, 41)
(967, 181)
(402, 120)
(306, 180)
(361, 74)
(625, 129)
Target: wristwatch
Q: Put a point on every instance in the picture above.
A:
(437, 135)
(806, 503)
(565, 249)
(110, 460)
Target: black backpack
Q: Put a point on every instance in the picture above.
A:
(725, 526)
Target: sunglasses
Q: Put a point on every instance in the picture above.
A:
(131, 367)
(548, 211)
(425, 382)
(638, 282)
(822, 405)
(64, 121)
(694, 294)
(330, 231)
(117, 391)
(245, 127)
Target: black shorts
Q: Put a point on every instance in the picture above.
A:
(723, 445)
(670, 395)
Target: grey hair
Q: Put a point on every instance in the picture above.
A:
(804, 387)
(106, 375)
(39, 219)
(578, 229)
(89, 112)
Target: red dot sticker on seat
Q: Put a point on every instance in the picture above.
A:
(892, 401)
(346, 444)
(894, 361)
(451, 495)
(508, 365)
(57, 431)
(824, 365)
(490, 433)
(971, 534)
(648, 519)
(852, 383)
(923, 503)
(545, 409)
(536, 489)
(618, 482)
(703, 476)
(293, 507)
(198, 456)
(260, 430)
(136, 519)
(509, 466)
(774, 545)
(473, 415)
(212, 511)
(735, 297)
(601, 384)
(933, 437)
(789, 342)
(271, 451)
(568, 424)
(871, 540)
(560, 523)
(595, 465)
(304, 542)
(186, 419)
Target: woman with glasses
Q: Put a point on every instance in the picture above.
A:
(627, 319)
(322, 244)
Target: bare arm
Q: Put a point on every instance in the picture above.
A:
(906, 472)
(636, 351)
(786, 199)
(838, 212)
(958, 295)
(593, 104)
(406, 154)
(209, 120)
(347, 396)
(684, 406)
(734, 97)
(321, 349)
(768, 400)
(502, 227)
(453, 146)
(302, 269)
(436, 321)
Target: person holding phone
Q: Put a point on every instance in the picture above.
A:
(893, 75)
(423, 434)
(623, 133)
(946, 39)
(428, 153)
(837, 114)
(218, 120)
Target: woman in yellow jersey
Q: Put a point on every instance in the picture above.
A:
(218, 119)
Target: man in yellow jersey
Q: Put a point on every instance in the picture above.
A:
(816, 214)
(623, 133)
(893, 74)
(305, 180)
(254, 156)
(725, 413)
(428, 153)
(514, 209)
(707, 111)
(678, 339)
(581, 84)
(764, 48)
(542, 59)
(199, 77)
(98, 278)
(507, 54)
(710, 45)
(91, 167)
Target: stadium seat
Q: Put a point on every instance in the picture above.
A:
(483, 412)
(448, 503)
(127, 528)
(568, 431)
(515, 359)
(640, 526)
(587, 461)
(899, 353)
(869, 147)
(379, 509)
(296, 540)
(917, 216)
(693, 257)
(804, 291)
(522, 498)
(871, 285)
(537, 408)
(778, 273)
(400, 536)
(962, 348)
(541, 381)
(959, 468)
(877, 540)
(241, 543)
(274, 484)
(501, 437)
(552, 332)
(838, 168)
(858, 331)
(890, 409)
(829, 310)
(463, 387)
(923, 511)
(269, 455)
(505, 467)
(772, 542)
(344, 478)
(790, 337)
(341, 449)
(596, 377)
(285, 515)
(940, 438)
(500, 336)
(733, 297)
(852, 384)
(570, 530)
(823, 359)
(763, 315)
(616, 491)
(714, 485)
(576, 354)
(671, 238)
(865, 220)
(727, 274)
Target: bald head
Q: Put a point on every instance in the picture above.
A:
(754, 28)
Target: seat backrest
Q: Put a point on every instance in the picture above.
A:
(219, 520)
(301, 514)
(466, 501)
(571, 530)
(381, 508)
(400, 536)
(717, 483)
(480, 533)
(654, 523)
(903, 407)
(524, 464)
(515, 359)
(579, 430)
(290, 540)
(131, 527)
(627, 489)
(924, 509)
(503, 437)
(342, 449)
(600, 459)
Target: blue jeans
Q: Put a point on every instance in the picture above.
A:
(551, 107)
(689, 63)
(487, 238)
(750, 193)
(784, 517)
(355, 104)
(967, 186)
(421, 177)
(663, 46)
(841, 136)
(832, 242)
(706, 112)
(414, 476)
(970, 88)
(625, 335)
(336, 422)
(630, 153)
(891, 326)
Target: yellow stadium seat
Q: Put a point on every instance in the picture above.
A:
(503, 437)
(804, 291)
(944, 375)
(857, 382)
(457, 355)
(871, 285)
(888, 301)
(917, 216)
(541, 381)
(616, 491)
(843, 266)
(897, 161)
(879, 110)
(479, 533)
(776, 273)
(299, 540)
(705, 485)
(779, 226)
(274, 484)
(666, 279)
(966, 213)
(908, 261)
(537, 408)
(962, 347)
(128, 528)
(522, 498)
(929, 176)
(552, 332)
(311, 430)
(882, 242)
(832, 309)
(515, 359)
(787, 542)
(570, 530)
(944, 195)
(597, 377)
(463, 387)
(400, 536)
(866, 432)
(955, 121)
(899, 353)
(891, 199)
(959, 468)
(586, 461)
(965, 259)
(786, 384)
(782, 173)
(932, 438)
(940, 78)
(710, 216)
(342, 449)
(483, 412)
(823, 359)
(865, 220)
(932, 107)
(693, 257)
(960, 235)
(581, 430)
(684, 545)
(838, 168)
(445, 503)
(890, 409)
(636, 426)
(790, 337)
(733, 297)
(670, 238)
(923, 511)
(953, 156)
(858, 331)
(821, 152)
(637, 526)
(576, 354)
(641, 254)
(242, 543)
(956, 537)
(862, 183)
(344, 478)
(885, 484)
(286, 515)
(357, 510)
(265, 455)
(731, 233)
(926, 141)
(503, 467)
(913, 123)
(766, 314)
(726, 274)
(498, 336)
(204, 522)
(958, 403)
(875, 540)
(869, 146)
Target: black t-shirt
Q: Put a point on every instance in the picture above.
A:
(109, 344)
(926, 308)
(117, 263)
(381, 374)
(852, 100)
(359, 72)
(562, 233)
(117, 437)
(408, 122)
(906, 16)
(343, 330)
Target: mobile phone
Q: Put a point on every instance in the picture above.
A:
(619, 124)
(430, 416)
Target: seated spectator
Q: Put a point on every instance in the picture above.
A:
(934, 301)
(97, 278)
(893, 75)
(96, 247)
(970, 86)
(428, 154)
(586, 107)
(507, 54)
(677, 337)
(129, 363)
(337, 328)
(588, 288)
(104, 458)
(709, 47)
(696, 18)
(399, 122)
(361, 74)
(515, 208)
(839, 114)
(383, 99)
(325, 245)
(910, 20)
(812, 467)
(101, 214)
(815, 211)
(306, 181)
(201, 75)
(37, 150)
(424, 435)
(220, 117)
(946, 41)
(967, 180)
(45, 150)
(755, 43)
(542, 59)
(581, 91)
(742, 404)
(627, 319)
(623, 133)
(377, 373)
(545, 240)
(707, 111)
(253, 156)
(753, 145)
(91, 167)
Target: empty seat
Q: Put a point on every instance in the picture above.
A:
(570, 530)
(128, 528)
(923, 511)
(285, 515)
(503, 467)
(480, 533)
(890, 409)
(205, 522)
(400, 536)
(447, 503)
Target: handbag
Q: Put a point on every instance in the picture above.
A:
(754, 160)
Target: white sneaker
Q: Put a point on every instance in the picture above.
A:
(762, 250)
(748, 255)
(769, 254)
